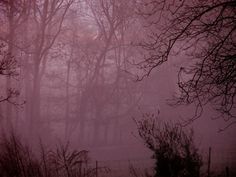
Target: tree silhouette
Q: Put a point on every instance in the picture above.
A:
(173, 148)
(8, 66)
(205, 32)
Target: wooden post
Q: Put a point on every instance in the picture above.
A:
(96, 168)
(227, 171)
(209, 163)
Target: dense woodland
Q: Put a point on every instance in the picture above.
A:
(68, 66)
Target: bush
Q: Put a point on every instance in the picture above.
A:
(173, 148)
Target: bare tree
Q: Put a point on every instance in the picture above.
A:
(48, 17)
(94, 55)
(8, 68)
(205, 32)
(13, 14)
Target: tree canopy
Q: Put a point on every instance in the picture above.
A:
(205, 32)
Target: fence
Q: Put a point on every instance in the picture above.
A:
(220, 164)
(122, 168)
(222, 161)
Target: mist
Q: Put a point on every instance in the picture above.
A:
(80, 75)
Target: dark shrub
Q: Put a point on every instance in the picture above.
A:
(173, 148)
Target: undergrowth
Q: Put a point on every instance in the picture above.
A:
(18, 160)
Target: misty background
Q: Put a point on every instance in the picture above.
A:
(74, 76)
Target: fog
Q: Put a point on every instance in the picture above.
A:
(79, 72)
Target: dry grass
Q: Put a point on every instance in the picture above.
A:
(18, 160)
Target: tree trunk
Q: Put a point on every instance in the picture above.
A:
(67, 114)
(10, 51)
(35, 110)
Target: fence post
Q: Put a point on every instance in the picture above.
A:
(209, 163)
(227, 171)
(96, 168)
